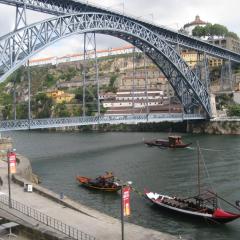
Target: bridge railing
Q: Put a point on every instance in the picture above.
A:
(25, 124)
(72, 232)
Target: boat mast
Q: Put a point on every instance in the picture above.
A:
(198, 153)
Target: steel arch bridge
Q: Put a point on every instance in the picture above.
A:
(17, 47)
(63, 7)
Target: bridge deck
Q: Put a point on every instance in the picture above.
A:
(26, 124)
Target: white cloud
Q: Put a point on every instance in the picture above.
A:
(171, 13)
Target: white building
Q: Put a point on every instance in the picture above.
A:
(80, 57)
(126, 102)
(190, 26)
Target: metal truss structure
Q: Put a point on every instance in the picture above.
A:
(13, 125)
(32, 39)
(62, 7)
(90, 48)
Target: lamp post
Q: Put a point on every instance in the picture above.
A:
(9, 180)
(11, 160)
(123, 213)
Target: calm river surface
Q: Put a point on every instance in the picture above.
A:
(58, 157)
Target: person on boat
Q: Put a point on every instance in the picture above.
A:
(100, 181)
(237, 203)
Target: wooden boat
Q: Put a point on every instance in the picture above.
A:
(172, 142)
(197, 207)
(203, 205)
(105, 183)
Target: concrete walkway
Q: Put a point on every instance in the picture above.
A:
(97, 224)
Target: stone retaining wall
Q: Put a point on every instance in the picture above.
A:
(215, 127)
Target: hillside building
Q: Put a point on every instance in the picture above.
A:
(188, 28)
(229, 43)
(60, 96)
(126, 102)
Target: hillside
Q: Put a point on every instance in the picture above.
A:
(68, 78)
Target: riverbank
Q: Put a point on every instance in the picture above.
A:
(215, 127)
(74, 214)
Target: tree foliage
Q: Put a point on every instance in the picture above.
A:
(60, 110)
(22, 111)
(234, 110)
(42, 106)
(112, 83)
(211, 30)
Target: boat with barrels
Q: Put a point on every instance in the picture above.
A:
(105, 182)
(171, 142)
(203, 205)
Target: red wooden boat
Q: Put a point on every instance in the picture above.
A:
(172, 142)
(105, 183)
(197, 207)
(203, 205)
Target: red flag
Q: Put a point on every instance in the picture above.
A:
(126, 201)
(12, 162)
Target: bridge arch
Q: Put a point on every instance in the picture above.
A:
(17, 47)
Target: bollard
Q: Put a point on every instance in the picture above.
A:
(61, 195)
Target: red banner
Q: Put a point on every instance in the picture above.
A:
(126, 201)
(12, 162)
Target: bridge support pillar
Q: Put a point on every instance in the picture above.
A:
(29, 90)
(213, 105)
(133, 80)
(146, 85)
(20, 21)
(90, 53)
(230, 75)
(226, 80)
(206, 68)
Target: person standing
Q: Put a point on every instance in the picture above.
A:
(1, 181)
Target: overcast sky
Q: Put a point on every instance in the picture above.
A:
(171, 13)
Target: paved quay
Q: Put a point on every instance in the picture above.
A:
(88, 220)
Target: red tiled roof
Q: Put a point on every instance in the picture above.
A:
(197, 21)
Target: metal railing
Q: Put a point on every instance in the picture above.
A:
(25, 124)
(72, 232)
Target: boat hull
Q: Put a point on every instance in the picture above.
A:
(223, 217)
(86, 182)
(163, 143)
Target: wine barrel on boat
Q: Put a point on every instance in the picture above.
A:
(105, 182)
(171, 142)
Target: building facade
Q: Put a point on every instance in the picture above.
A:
(59, 96)
(126, 102)
(188, 28)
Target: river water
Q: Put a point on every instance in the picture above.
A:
(59, 157)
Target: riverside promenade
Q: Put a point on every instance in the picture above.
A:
(87, 220)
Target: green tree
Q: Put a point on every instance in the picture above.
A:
(199, 31)
(60, 110)
(7, 112)
(232, 35)
(234, 110)
(42, 106)
(213, 30)
(6, 99)
(22, 111)
(218, 30)
(79, 94)
(112, 83)
(76, 111)
(49, 81)
(208, 29)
